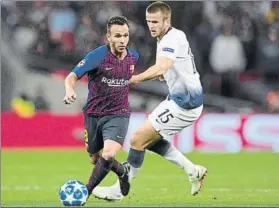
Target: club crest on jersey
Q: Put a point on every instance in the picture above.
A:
(81, 63)
(132, 68)
(168, 50)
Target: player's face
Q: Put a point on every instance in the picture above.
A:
(118, 37)
(157, 23)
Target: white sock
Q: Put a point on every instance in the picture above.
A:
(175, 156)
(133, 172)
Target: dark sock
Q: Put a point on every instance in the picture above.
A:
(161, 147)
(99, 172)
(135, 157)
(117, 168)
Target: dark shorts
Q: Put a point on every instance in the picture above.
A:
(100, 128)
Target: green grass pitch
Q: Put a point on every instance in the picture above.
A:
(33, 178)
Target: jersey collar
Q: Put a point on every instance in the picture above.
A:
(170, 28)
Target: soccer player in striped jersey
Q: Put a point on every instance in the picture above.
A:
(107, 111)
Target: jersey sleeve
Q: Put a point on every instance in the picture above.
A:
(135, 53)
(168, 47)
(138, 57)
(90, 61)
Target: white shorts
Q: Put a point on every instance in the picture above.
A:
(168, 118)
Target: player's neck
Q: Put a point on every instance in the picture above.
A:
(118, 55)
(165, 31)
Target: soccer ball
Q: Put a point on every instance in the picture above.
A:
(73, 193)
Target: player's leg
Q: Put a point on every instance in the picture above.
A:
(167, 119)
(140, 140)
(161, 147)
(104, 164)
(145, 136)
(168, 151)
(90, 138)
(93, 145)
(114, 129)
(95, 157)
(116, 166)
(196, 173)
(93, 142)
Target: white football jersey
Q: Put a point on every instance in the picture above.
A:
(183, 79)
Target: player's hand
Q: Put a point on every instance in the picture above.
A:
(134, 80)
(70, 97)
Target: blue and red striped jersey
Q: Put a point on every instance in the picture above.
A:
(108, 86)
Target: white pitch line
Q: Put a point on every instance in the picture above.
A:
(31, 188)
(244, 190)
(28, 188)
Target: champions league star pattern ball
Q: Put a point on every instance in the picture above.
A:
(73, 193)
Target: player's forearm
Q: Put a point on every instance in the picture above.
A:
(151, 73)
(70, 81)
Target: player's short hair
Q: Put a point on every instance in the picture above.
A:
(159, 6)
(116, 20)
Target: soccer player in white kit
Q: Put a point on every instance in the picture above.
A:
(183, 106)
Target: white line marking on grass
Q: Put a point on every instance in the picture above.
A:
(164, 189)
(243, 190)
(28, 188)
(31, 188)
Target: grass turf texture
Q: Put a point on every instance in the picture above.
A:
(33, 178)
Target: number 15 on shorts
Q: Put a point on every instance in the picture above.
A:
(165, 116)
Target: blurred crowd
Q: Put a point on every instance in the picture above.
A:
(227, 38)
(69, 29)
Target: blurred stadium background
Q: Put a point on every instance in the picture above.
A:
(236, 49)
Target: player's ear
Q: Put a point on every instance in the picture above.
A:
(166, 19)
(108, 36)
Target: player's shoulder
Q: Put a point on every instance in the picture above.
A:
(133, 52)
(175, 33)
(99, 51)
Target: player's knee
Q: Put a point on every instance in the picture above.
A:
(109, 154)
(110, 149)
(135, 140)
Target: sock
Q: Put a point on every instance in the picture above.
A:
(163, 148)
(175, 156)
(135, 158)
(133, 172)
(99, 172)
(118, 168)
(170, 153)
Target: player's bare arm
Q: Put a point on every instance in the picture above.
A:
(87, 64)
(70, 83)
(162, 66)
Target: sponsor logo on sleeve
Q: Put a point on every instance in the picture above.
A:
(168, 50)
